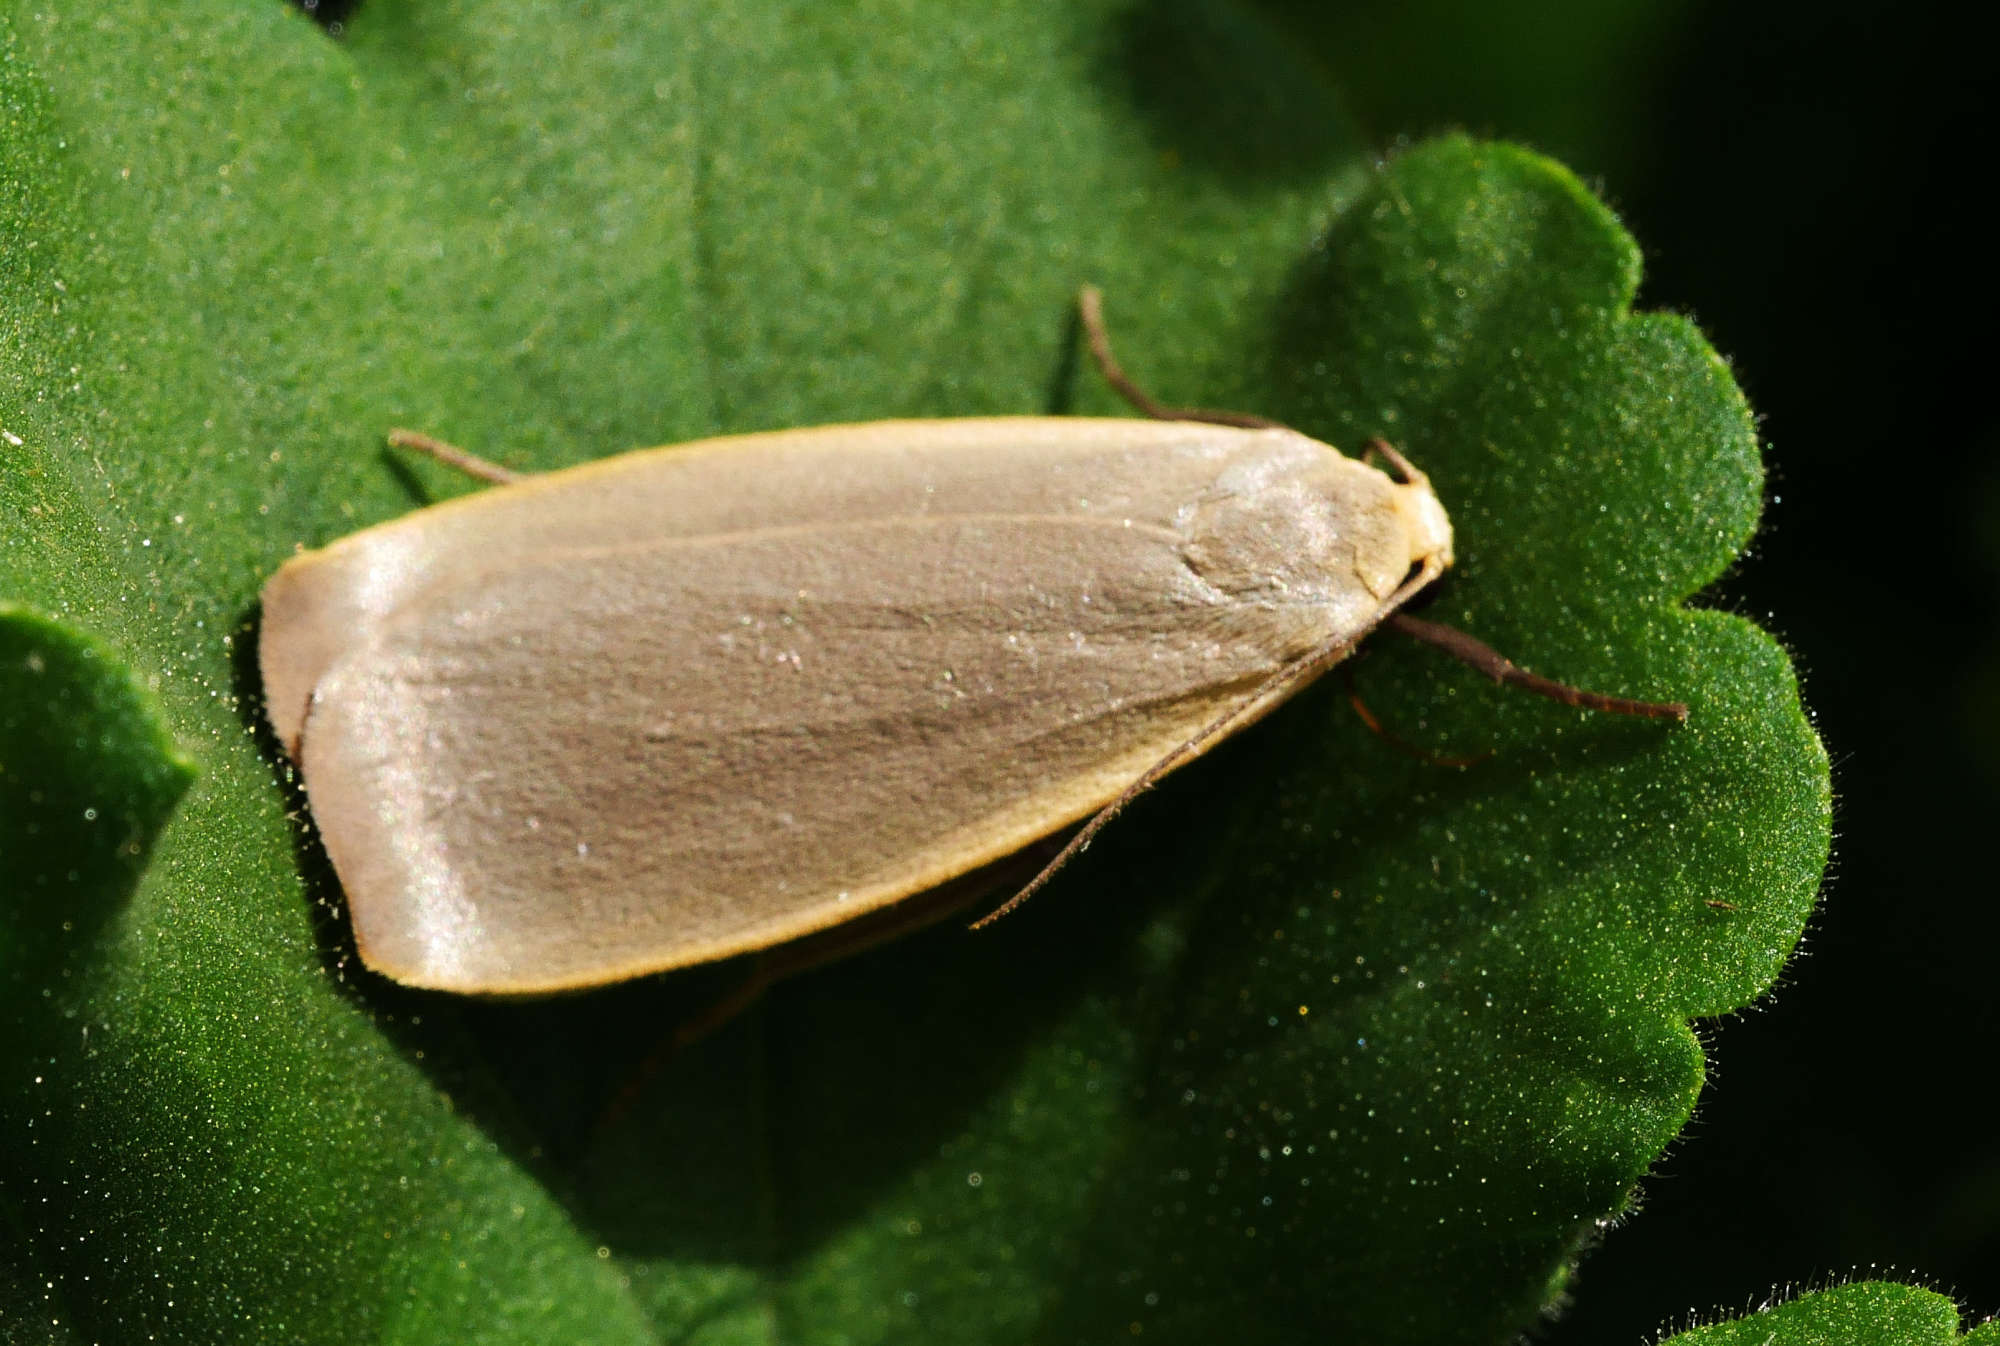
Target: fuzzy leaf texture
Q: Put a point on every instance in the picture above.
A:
(1864, 1313)
(1320, 1042)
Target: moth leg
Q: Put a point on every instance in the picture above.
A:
(1379, 447)
(1498, 667)
(1401, 745)
(772, 966)
(877, 927)
(1090, 312)
(453, 456)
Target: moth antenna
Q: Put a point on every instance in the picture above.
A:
(453, 456)
(1303, 669)
(1090, 312)
(1501, 669)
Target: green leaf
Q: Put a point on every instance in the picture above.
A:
(1866, 1313)
(1320, 1040)
(87, 779)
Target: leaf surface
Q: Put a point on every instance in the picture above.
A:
(1318, 1040)
(1865, 1313)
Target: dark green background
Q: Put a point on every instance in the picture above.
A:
(1797, 184)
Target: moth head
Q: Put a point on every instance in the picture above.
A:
(1423, 515)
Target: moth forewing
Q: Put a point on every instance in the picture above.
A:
(691, 702)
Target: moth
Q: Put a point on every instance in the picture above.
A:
(697, 701)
